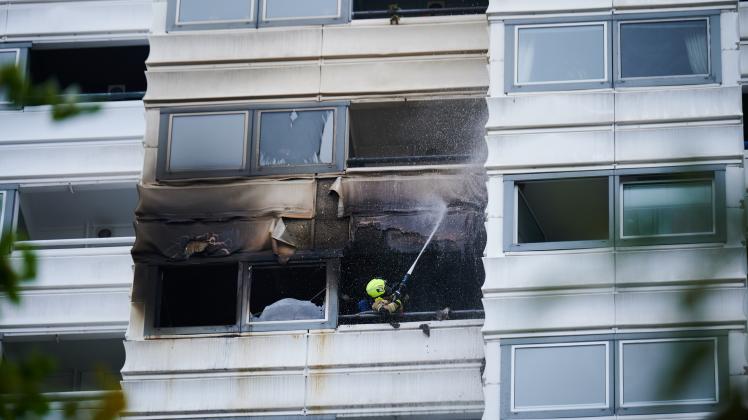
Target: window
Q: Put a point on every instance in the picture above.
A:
(12, 54)
(561, 54)
(647, 50)
(646, 207)
(553, 377)
(77, 361)
(243, 297)
(417, 132)
(77, 215)
(377, 9)
(615, 374)
(108, 73)
(250, 142)
(225, 14)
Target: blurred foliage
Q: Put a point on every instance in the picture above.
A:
(17, 89)
(22, 381)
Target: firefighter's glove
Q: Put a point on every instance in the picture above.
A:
(384, 306)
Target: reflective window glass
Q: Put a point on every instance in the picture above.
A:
(296, 137)
(561, 54)
(207, 142)
(672, 48)
(202, 11)
(667, 208)
(647, 364)
(560, 377)
(296, 9)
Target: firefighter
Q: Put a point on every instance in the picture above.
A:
(385, 300)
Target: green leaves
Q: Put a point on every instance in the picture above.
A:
(19, 91)
(12, 275)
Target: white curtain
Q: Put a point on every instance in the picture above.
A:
(698, 52)
(525, 58)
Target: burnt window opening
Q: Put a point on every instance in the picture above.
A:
(449, 274)
(106, 73)
(77, 362)
(198, 296)
(242, 297)
(287, 293)
(417, 132)
(377, 9)
(562, 210)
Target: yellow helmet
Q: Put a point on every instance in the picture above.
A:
(376, 287)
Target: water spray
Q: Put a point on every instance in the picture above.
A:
(404, 282)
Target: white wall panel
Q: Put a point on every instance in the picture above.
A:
(550, 110)
(734, 186)
(543, 149)
(496, 59)
(743, 20)
(227, 82)
(548, 312)
(81, 268)
(66, 308)
(738, 351)
(115, 120)
(495, 188)
(662, 308)
(495, 240)
(644, 4)
(546, 271)
(216, 353)
(378, 38)
(644, 144)
(404, 75)
(389, 388)
(31, 161)
(243, 45)
(659, 266)
(413, 346)
(546, 6)
(678, 104)
(100, 17)
(248, 392)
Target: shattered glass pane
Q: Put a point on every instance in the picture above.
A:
(287, 293)
(296, 137)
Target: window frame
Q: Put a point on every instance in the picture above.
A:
(343, 16)
(670, 406)
(713, 45)
(8, 207)
(22, 58)
(252, 138)
(615, 203)
(667, 174)
(615, 364)
(258, 19)
(512, 47)
(173, 23)
(248, 121)
(612, 51)
(242, 324)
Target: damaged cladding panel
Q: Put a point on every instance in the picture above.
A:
(392, 216)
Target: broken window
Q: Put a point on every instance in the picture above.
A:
(77, 215)
(77, 362)
(198, 296)
(294, 293)
(107, 73)
(210, 297)
(417, 132)
(374, 9)
(562, 210)
(255, 141)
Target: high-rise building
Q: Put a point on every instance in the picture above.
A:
(582, 162)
